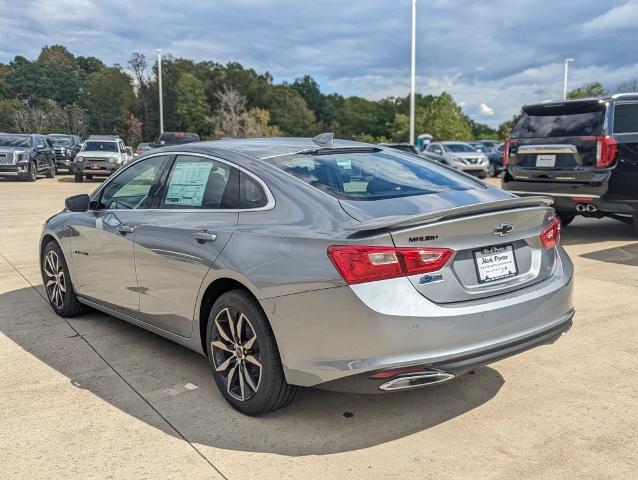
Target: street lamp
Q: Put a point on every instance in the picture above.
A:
(413, 73)
(567, 60)
(159, 79)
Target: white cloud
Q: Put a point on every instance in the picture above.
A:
(486, 110)
(616, 18)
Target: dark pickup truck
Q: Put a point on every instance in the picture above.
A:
(583, 153)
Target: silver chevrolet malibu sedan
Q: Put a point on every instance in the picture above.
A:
(313, 263)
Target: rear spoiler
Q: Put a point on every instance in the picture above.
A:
(403, 221)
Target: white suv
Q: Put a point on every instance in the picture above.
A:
(101, 155)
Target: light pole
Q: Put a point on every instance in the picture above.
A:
(413, 73)
(567, 60)
(159, 80)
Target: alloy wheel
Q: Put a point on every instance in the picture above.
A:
(236, 354)
(55, 279)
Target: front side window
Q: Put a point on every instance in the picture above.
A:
(130, 189)
(371, 175)
(199, 182)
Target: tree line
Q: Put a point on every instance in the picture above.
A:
(61, 92)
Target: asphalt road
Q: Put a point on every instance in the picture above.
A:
(95, 397)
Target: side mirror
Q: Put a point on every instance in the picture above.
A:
(77, 203)
(40, 146)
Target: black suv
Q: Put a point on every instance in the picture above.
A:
(65, 148)
(582, 153)
(24, 156)
(176, 138)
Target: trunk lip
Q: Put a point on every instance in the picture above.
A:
(401, 221)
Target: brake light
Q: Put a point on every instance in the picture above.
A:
(550, 236)
(359, 264)
(506, 150)
(606, 151)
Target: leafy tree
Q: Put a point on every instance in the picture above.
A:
(481, 131)
(443, 118)
(90, 64)
(593, 89)
(358, 115)
(190, 103)
(109, 95)
(289, 111)
(57, 54)
(505, 128)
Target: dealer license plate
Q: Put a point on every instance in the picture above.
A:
(495, 263)
(545, 160)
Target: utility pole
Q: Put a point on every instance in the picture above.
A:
(413, 73)
(567, 60)
(159, 79)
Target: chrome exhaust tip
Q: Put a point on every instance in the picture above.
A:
(415, 380)
(581, 208)
(591, 208)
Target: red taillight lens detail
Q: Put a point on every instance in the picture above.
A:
(606, 151)
(550, 236)
(359, 264)
(506, 150)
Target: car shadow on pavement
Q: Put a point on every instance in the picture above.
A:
(71, 179)
(586, 231)
(625, 255)
(178, 385)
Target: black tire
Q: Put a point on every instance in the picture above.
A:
(32, 172)
(635, 224)
(52, 170)
(491, 171)
(79, 177)
(89, 177)
(66, 304)
(236, 362)
(482, 175)
(565, 219)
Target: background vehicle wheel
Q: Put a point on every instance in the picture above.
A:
(482, 175)
(89, 177)
(565, 219)
(491, 171)
(243, 355)
(57, 282)
(32, 172)
(79, 177)
(52, 170)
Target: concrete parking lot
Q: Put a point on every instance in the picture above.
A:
(95, 397)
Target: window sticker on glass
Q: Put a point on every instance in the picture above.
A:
(188, 183)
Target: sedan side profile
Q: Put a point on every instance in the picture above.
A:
(313, 263)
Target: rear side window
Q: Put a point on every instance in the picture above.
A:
(371, 175)
(626, 118)
(560, 121)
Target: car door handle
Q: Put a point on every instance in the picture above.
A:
(124, 229)
(204, 236)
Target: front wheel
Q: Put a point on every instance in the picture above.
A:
(51, 171)
(57, 282)
(79, 177)
(243, 355)
(32, 172)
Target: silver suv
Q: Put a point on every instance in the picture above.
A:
(100, 156)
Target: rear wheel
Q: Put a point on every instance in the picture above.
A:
(243, 355)
(565, 219)
(491, 171)
(57, 282)
(79, 177)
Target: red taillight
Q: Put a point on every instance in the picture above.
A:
(606, 151)
(506, 151)
(550, 236)
(359, 264)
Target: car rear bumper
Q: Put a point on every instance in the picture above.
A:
(354, 331)
(567, 196)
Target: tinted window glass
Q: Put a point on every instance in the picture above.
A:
(197, 182)
(15, 141)
(560, 121)
(371, 175)
(177, 138)
(626, 118)
(100, 146)
(251, 193)
(459, 147)
(60, 141)
(130, 189)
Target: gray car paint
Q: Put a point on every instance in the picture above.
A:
(324, 328)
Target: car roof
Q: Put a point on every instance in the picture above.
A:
(589, 100)
(261, 148)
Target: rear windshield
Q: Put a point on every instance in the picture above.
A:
(100, 146)
(626, 118)
(178, 138)
(14, 141)
(560, 121)
(371, 175)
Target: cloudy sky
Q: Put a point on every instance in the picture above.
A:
(491, 55)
